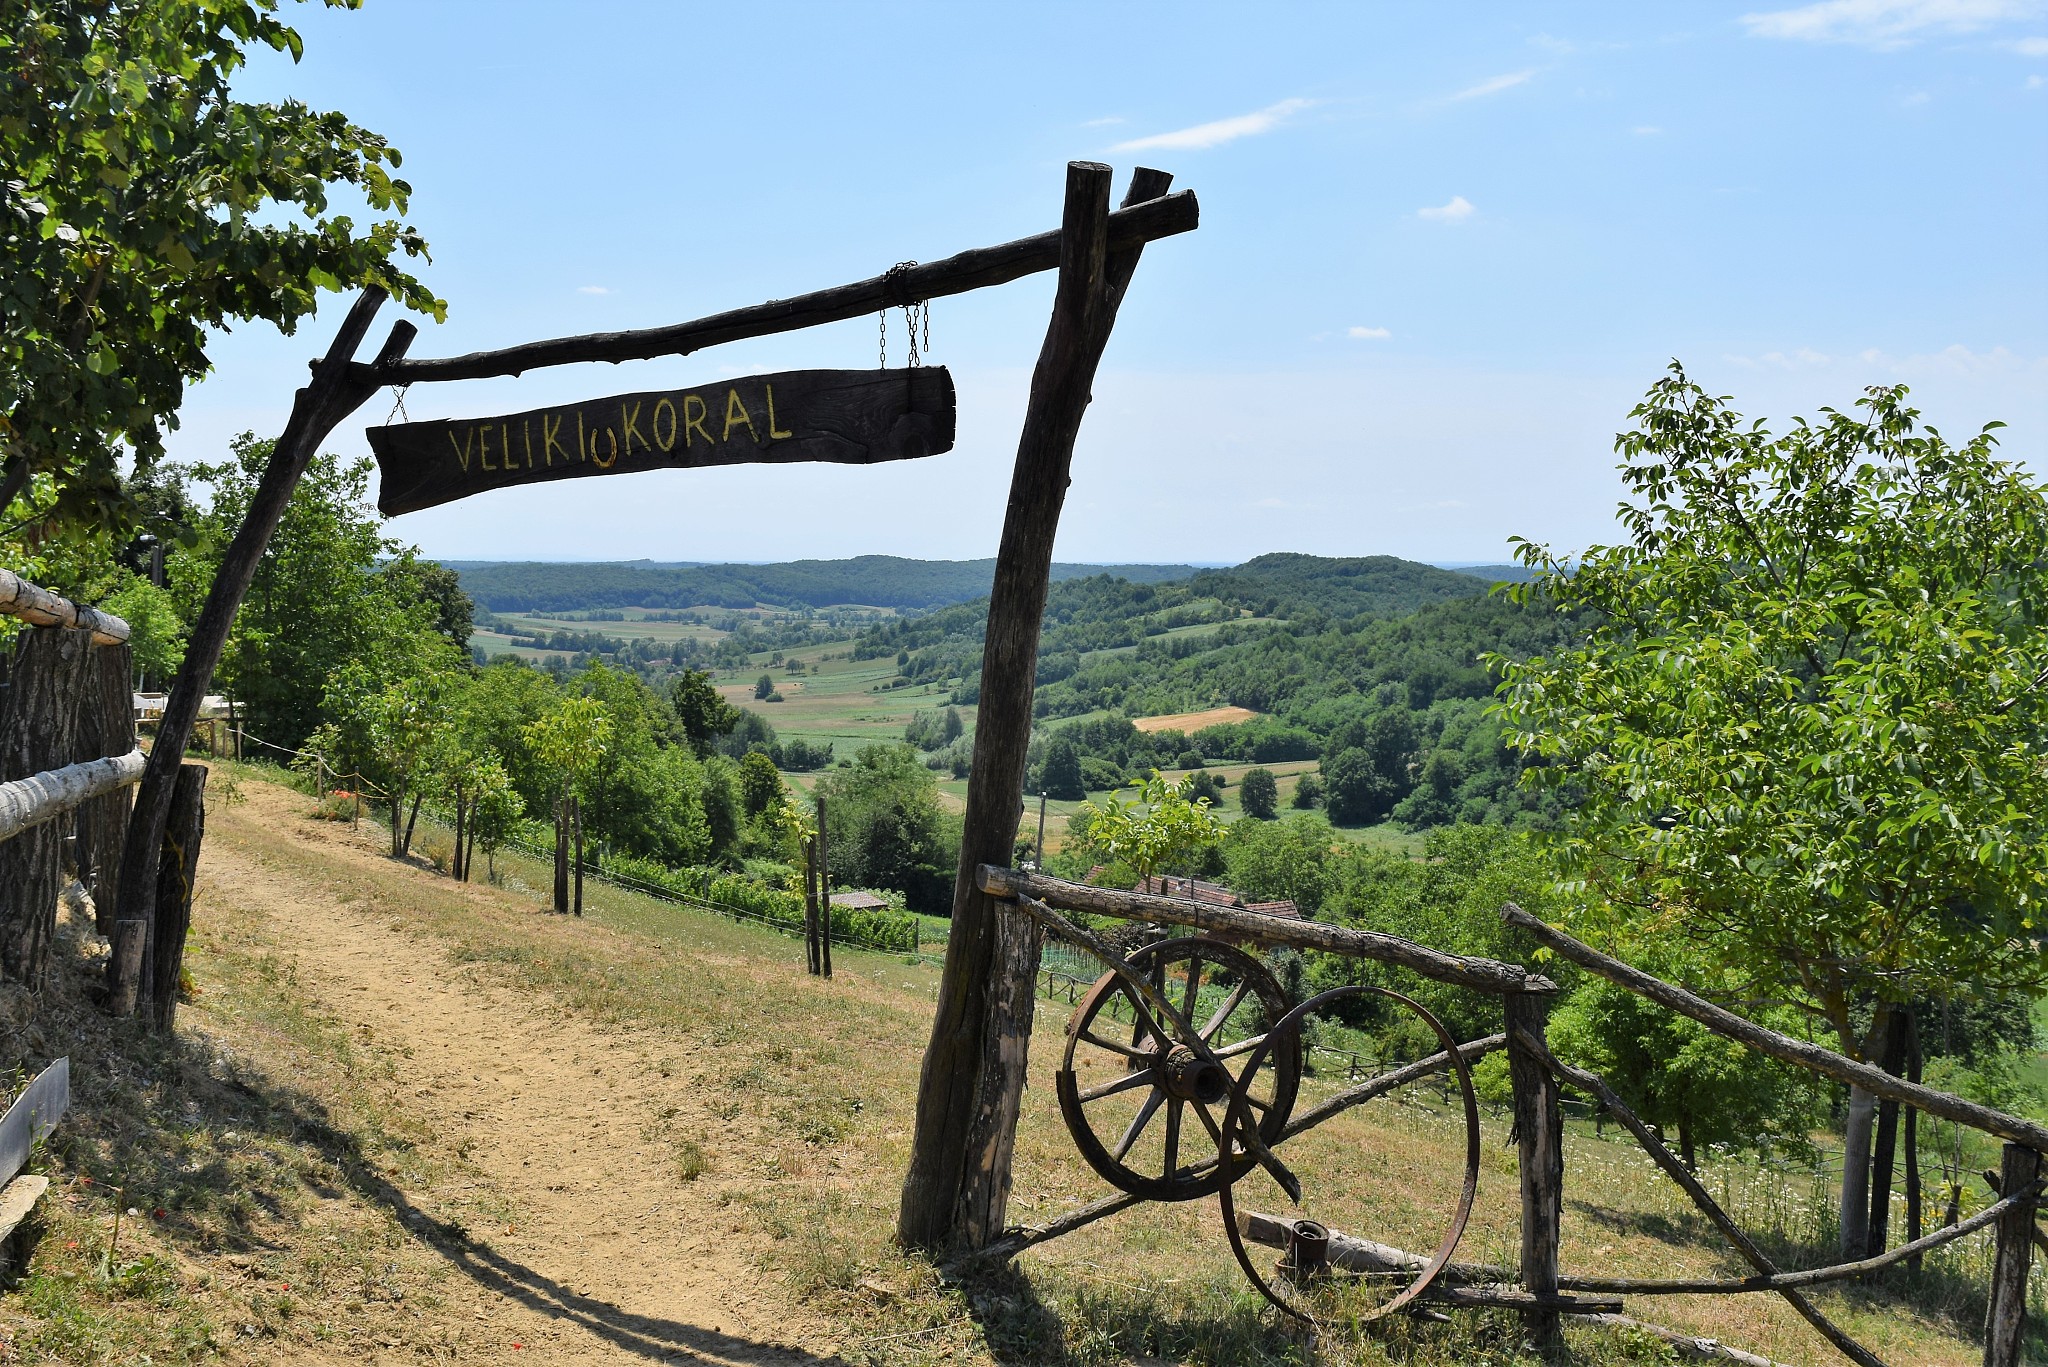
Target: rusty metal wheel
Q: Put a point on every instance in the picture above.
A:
(1355, 1298)
(1132, 1088)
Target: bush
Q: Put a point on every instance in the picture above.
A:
(1188, 759)
(881, 928)
(1258, 794)
(1099, 774)
(1308, 793)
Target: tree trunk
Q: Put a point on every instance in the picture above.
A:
(1898, 1023)
(576, 820)
(164, 952)
(1914, 1199)
(1539, 1140)
(106, 727)
(412, 819)
(1687, 1154)
(1856, 1173)
(397, 820)
(955, 1117)
(455, 859)
(39, 725)
(562, 853)
(316, 410)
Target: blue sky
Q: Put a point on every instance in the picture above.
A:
(1444, 248)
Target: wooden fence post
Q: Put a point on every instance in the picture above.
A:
(38, 732)
(2005, 1323)
(980, 1035)
(124, 967)
(824, 894)
(106, 726)
(1539, 1140)
(811, 906)
(177, 871)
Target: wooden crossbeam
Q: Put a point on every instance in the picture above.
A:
(40, 607)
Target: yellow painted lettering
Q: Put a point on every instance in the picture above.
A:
(693, 421)
(667, 443)
(582, 442)
(629, 429)
(604, 462)
(736, 414)
(505, 447)
(526, 433)
(550, 429)
(774, 433)
(483, 450)
(462, 447)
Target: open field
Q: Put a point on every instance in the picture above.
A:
(838, 702)
(444, 1125)
(1191, 722)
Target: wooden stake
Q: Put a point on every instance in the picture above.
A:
(124, 967)
(951, 1195)
(824, 894)
(164, 954)
(2005, 1323)
(1539, 1140)
(331, 396)
(106, 729)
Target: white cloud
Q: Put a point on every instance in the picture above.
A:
(1884, 23)
(1215, 134)
(1367, 334)
(1646, 130)
(592, 289)
(2035, 82)
(2031, 47)
(1459, 209)
(1104, 123)
(1494, 86)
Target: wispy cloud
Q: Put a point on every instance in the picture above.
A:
(1494, 86)
(1104, 123)
(1215, 134)
(2031, 47)
(1884, 23)
(1459, 209)
(1646, 130)
(593, 289)
(1950, 360)
(1367, 334)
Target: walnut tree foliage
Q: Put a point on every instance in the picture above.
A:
(143, 207)
(1809, 723)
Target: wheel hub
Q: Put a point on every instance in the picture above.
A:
(1191, 1078)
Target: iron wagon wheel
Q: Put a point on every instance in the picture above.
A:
(1131, 1090)
(1241, 1110)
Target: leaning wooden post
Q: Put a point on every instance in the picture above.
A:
(957, 1188)
(2005, 1324)
(824, 893)
(1539, 1141)
(333, 394)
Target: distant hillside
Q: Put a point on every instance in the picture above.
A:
(876, 580)
(1497, 574)
(1286, 585)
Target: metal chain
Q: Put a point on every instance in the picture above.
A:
(398, 403)
(917, 317)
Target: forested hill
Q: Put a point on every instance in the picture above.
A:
(1371, 665)
(886, 581)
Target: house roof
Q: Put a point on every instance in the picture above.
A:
(859, 901)
(1214, 894)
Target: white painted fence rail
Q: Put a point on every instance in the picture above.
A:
(39, 606)
(30, 801)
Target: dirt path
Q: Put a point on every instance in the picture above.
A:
(580, 1243)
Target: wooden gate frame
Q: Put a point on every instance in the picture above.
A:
(974, 1069)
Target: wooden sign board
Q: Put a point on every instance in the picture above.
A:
(848, 417)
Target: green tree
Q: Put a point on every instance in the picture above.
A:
(1258, 794)
(1355, 791)
(156, 633)
(1059, 776)
(571, 739)
(763, 686)
(703, 714)
(495, 811)
(1308, 793)
(1267, 861)
(149, 208)
(760, 784)
(1807, 723)
(888, 829)
(1159, 828)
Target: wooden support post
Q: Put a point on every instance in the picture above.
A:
(177, 870)
(811, 965)
(124, 967)
(973, 1076)
(824, 892)
(106, 728)
(332, 395)
(38, 733)
(561, 850)
(1539, 1141)
(2005, 1324)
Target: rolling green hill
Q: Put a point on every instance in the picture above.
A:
(875, 580)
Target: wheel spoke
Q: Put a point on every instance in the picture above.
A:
(1139, 1078)
(1173, 1138)
(1143, 1021)
(1243, 1046)
(1187, 1006)
(1126, 1050)
(1208, 1122)
(1230, 1004)
(1138, 1123)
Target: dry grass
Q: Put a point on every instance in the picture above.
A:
(1191, 722)
(809, 1088)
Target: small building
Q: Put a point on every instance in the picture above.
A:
(860, 901)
